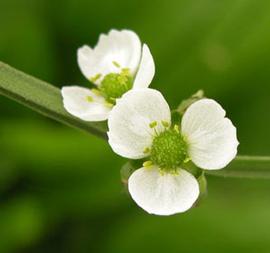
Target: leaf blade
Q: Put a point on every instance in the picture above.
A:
(43, 98)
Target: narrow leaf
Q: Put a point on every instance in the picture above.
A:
(42, 97)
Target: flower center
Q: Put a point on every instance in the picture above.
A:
(114, 85)
(169, 150)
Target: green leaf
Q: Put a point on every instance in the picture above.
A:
(43, 98)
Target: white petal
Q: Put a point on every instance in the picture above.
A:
(129, 131)
(122, 47)
(87, 60)
(76, 103)
(211, 137)
(163, 194)
(146, 69)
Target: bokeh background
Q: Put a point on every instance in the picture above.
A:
(60, 189)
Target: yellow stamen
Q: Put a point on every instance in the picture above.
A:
(165, 123)
(176, 128)
(153, 124)
(95, 78)
(147, 164)
(96, 92)
(108, 104)
(116, 64)
(89, 99)
(146, 150)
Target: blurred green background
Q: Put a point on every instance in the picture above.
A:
(60, 189)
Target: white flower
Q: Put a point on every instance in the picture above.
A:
(115, 65)
(140, 127)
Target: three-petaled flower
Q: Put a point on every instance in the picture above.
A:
(140, 127)
(115, 65)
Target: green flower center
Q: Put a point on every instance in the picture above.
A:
(114, 85)
(169, 150)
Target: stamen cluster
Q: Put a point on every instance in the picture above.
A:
(169, 150)
(114, 85)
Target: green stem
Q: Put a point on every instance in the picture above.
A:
(43, 98)
(46, 99)
(245, 167)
